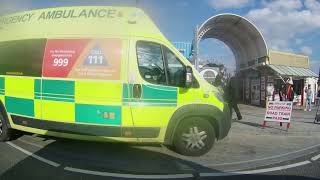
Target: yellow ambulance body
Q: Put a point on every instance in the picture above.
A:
(103, 73)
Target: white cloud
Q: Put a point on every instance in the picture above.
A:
(281, 21)
(227, 4)
(306, 50)
(283, 5)
(313, 5)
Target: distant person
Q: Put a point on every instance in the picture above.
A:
(220, 80)
(308, 93)
(318, 96)
(290, 92)
(282, 95)
(276, 95)
(270, 92)
(291, 98)
(231, 96)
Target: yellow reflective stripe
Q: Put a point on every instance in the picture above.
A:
(22, 87)
(2, 99)
(37, 109)
(58, 111)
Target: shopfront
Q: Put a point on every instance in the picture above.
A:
(265, 82)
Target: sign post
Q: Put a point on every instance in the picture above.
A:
(319, 78)
(195, 48)
(278, 111)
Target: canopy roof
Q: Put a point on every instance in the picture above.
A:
(239, 34)
(292, 71)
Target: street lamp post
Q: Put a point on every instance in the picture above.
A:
(319, 78)
(196, 49)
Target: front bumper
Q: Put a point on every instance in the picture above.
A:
(225, 122)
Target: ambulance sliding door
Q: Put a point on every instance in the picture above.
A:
(83, 83)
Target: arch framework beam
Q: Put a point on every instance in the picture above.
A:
(243, 38)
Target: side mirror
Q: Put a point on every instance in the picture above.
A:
(189, 77)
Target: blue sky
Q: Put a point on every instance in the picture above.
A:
(287, 25)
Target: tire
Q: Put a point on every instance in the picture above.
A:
(186, 142)
(5, 132)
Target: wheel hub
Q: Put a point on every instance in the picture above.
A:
(194, 139)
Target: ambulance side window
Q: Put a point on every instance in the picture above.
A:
(22, 57)
(176, 70)
(151, 63)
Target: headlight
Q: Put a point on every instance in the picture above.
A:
(218, 95)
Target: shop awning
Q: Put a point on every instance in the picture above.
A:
(292, 71)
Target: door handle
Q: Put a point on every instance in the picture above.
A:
(136, 91)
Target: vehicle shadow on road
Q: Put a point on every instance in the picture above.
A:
(259, 125)
(104, 157)
(249, 123)
(97, 156)
(312, 123)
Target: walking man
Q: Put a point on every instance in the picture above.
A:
(308, 93)
(290, 92)
(220, 80)
(232, 96)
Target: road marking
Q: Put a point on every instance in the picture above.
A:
(173, 176)
(258, 171)
(279, 168)
(266, 158)
(30, 143)
(33, 155)
(315, 157)
(133, 176)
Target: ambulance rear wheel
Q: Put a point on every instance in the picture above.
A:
(5, 132)
(194, 137)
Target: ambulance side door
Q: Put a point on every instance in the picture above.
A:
(153, 91)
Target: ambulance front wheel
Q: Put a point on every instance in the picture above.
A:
(5, 132)
(194, 137)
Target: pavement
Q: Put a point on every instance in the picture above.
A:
(248, 145)
(247, 149)
(301, 123)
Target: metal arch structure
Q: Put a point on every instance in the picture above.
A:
(243, 38)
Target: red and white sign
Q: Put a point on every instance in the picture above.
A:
(61, 55)
(83, 58)
(278, 111)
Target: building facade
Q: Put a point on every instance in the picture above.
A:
(185, 48)
(269, 74)
(267, 80)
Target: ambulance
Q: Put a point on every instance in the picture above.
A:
(103, 73)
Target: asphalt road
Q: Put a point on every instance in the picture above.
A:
(311, 170)
(249, 152)
(33, 157)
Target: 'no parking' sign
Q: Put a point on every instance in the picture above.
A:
(278, 111)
